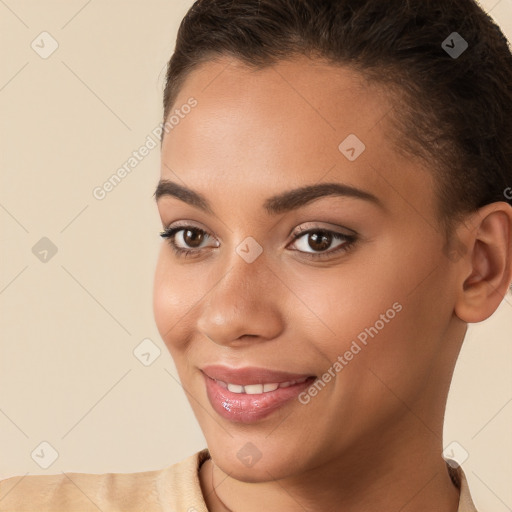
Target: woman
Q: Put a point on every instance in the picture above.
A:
(335, 198)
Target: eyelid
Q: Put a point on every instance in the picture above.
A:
(317, 227)
(184, 224)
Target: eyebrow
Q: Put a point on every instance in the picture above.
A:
(280, 203)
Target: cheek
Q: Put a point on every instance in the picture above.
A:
(375, 324)
(346, 306)
(175, 292)
(401, 353)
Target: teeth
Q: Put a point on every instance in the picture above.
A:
(235, 388)
(253, 389)
(256, 389)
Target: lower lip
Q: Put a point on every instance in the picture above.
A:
(244, 408)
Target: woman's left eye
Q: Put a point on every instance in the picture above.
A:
(320, 240)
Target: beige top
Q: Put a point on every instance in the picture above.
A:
(175, 488)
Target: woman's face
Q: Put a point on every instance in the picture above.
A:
(353, 300)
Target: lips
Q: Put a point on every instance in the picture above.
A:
(250, 394)
(251, 375)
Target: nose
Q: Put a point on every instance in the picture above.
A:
(244, 305)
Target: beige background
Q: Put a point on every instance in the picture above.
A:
(69, 326)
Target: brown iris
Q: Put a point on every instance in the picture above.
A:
(319, 240)
(193, 238)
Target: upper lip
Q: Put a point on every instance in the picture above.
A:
(250, 375)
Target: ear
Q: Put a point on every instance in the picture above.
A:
(486, 269)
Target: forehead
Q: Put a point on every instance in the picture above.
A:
(290, 122)
(292, 100)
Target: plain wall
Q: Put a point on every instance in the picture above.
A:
(69, 326)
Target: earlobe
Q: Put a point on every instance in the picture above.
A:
(490, 263)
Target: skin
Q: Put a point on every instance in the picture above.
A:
(371, 440)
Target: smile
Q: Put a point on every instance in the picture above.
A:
(256, 389)
(250, 394)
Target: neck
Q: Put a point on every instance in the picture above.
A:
(407, 475)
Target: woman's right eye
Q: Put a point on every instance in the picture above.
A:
(185, 240)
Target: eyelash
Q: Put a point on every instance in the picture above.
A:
(350, 240)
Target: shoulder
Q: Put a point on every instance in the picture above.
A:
(175, 487)
(460, 481)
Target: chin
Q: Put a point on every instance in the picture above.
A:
(254, 461)
(262, 471)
